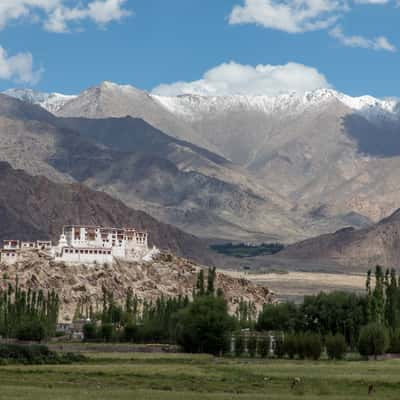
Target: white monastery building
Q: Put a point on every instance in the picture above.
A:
(86, 245)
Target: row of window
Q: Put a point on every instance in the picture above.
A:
(75, 251)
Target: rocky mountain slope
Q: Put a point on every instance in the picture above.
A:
(333, 156)
(167, 275)
(176, 181)
(363, 248)
(35, 207)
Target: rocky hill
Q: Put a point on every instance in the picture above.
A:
(361, 249)
(167, 275)
(35, 207)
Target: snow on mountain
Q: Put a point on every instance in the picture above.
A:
(52, 102)
(192, 107)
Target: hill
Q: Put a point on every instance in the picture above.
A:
(167, 276)
(361, 249)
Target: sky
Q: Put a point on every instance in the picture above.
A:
(210, 47)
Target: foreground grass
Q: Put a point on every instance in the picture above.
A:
(173, 377)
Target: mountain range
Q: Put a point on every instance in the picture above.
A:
(235, 167)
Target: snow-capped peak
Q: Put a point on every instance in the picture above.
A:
(190, 106)
(52, 102)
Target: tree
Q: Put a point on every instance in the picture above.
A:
(205, 326)
(279, 348)
(264, 345)
(312, 346)
(252, 345)
(89, 331)
(290, 345)
(131, 332)
(374, 340)
(200, 291)
(107, 331)
(239, 345)
(277, 317)
(335, 346)
(211, 277)
(32, 330)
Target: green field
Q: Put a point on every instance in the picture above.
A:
(154, 376)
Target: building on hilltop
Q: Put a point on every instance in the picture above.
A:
(86, 245)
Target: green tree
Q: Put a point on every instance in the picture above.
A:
(252, 345)
(107, 331)
(264, 345)
(89, 331)
(279, 348)
(205, 326)
(374, 340)
(335, 346)
(290, 345)
(239, 345)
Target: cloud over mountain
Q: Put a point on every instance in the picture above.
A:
(18, 67)
(233, 78)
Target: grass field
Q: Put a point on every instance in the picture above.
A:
(174, 377)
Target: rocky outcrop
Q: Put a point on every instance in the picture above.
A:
(167, 275)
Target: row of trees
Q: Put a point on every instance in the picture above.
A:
(369, 323)
(28, 314)
(332, 321)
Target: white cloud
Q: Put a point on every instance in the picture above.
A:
(18, 68)
(378, 43)
(372, 1)
(233, 78)
(293, 16)
(56, 15)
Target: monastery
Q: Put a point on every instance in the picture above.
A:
(86, 245)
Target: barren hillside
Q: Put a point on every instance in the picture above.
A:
(168, 275)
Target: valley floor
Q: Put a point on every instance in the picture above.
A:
(178, 376)
(294, 285)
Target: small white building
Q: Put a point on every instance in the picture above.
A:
(14, 250)
(94, 244)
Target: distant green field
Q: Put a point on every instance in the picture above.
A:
(171, 377)
(243, 250)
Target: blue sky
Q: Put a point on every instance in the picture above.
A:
(69, 45)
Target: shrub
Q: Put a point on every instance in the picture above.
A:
(374, 340)
(35, 354)
(239, 345)
(31, 330)
(312, 346)
(335, 346)
(252, 345)
(107, 332)
(89, 331)
(290, 345)
(131, 333)
(394, 341)
(264, 344)
(301, 346)
(279, 349)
